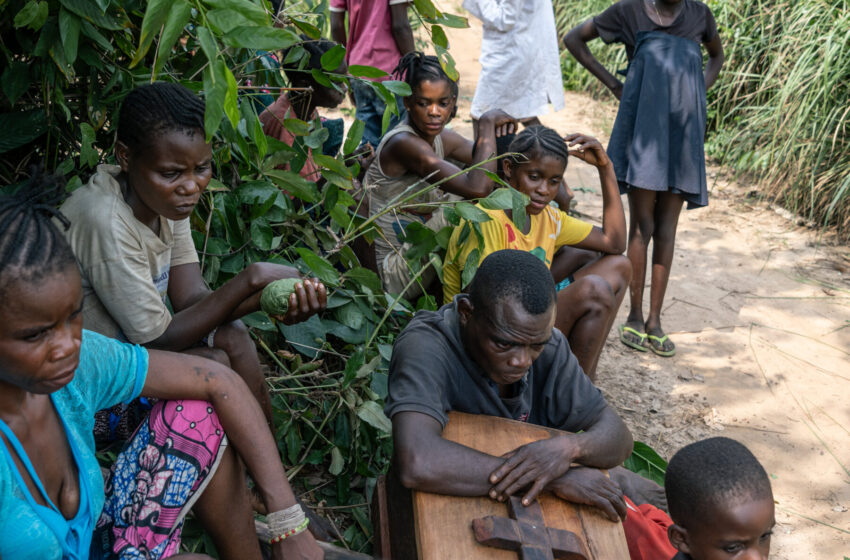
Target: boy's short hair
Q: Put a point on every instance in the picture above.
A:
(712, 473)
(514, 274)
(153, 109)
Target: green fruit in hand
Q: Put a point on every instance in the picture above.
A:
(275, 297)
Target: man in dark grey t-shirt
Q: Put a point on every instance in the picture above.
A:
(496, 352)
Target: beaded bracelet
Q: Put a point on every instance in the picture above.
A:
(290, 533)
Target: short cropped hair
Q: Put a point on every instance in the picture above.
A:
(513, 274)
(154, 109)
(710, 474)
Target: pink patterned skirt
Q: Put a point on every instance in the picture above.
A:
(156, 480)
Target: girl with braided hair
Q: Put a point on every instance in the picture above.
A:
(586, 261)
(130, 233)
(417, 152)
(54, 375)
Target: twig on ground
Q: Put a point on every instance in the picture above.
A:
(755, 356)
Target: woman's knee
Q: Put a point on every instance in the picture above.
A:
(591, 293)
(233, 338)
(214, 354)
(620, 274)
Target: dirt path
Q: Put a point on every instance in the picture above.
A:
(760, 310)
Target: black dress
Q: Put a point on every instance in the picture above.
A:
(657, 141)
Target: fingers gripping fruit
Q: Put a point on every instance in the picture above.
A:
(275, 297)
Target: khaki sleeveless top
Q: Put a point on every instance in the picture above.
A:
(383, 189)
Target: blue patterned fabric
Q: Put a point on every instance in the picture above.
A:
(109, 372)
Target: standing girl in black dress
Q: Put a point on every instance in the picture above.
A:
(657, 142)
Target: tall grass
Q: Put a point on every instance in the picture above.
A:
(780, 111)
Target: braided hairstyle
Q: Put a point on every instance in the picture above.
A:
(154, 109)
(416, 67)
(31, 246)
(536, 141)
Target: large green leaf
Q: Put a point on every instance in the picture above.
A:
(15, 80)
(470, 267)
(647, 463)
(332, 58)
(88, 154)
(294, 184)
(471, 213)
(215, 93)
(319, 266)
(69, 32)
(354, 137)
(156, 13)
(20, 128)
(90, 11)
(261, 38)
(307, 337)
(499, 199)
(366, 71)
(208, 44)
(249, 10)
(32, 15)
(178, 17)
(227, 20)
(439, 36)
(372, 413)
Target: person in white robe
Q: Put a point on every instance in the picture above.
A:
(520, 66)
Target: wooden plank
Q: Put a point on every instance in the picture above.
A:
(443, 523)
(381, 521)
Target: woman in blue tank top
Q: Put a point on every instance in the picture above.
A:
(53, 377)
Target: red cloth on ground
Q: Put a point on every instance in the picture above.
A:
(646, 532)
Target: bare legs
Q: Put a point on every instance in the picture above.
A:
(234, 339)
(588, 306)
(655, 216)
(224, 509)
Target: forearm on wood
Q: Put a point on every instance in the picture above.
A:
(606, 444)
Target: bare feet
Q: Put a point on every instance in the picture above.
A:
(640, 490)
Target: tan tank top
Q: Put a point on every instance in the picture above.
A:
(382, 190)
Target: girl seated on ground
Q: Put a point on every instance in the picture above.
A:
(415, 154)
(589, 293)
(54, 376)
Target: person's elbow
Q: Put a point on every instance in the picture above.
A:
(572, 41)
(415, 469)
(481, 190)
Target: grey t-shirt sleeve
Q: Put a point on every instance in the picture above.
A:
(609, 24)
(572, 402)
(419, 374)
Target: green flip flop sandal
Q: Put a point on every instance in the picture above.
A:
(656, 344)
(633, 338)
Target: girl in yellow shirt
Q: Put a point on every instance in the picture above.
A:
(591, 285)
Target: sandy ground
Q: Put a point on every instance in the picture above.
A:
(760, 310)
(759, 307)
